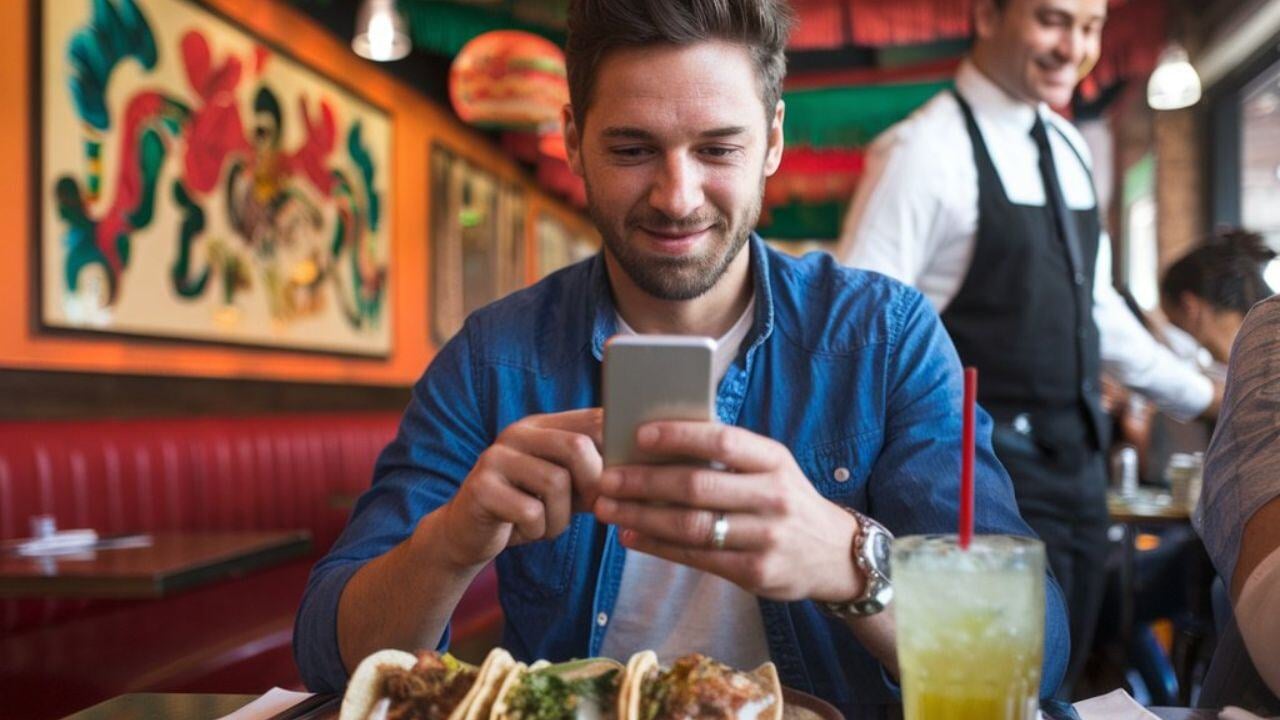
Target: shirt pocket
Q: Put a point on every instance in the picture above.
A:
(840, 469)
(542, 569)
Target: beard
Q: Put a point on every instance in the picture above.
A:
(676, 278)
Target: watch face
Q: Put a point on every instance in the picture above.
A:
(878, 545)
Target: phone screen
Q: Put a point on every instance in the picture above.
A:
(654, 377)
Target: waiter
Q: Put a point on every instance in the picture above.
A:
(983, 200)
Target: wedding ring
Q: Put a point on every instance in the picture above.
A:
(719, 531)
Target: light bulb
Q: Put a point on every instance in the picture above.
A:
(1174, 84)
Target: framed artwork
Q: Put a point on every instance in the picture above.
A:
(477, 240)
(558, 245)
(195, 184)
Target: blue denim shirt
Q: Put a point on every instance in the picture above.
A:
(851, 370)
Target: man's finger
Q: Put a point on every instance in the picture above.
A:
(733, 447)
(587, 421)
(507, 503)
(732, 565)
(692, 487)
(685, 527)
(571, 450)
(548, 482)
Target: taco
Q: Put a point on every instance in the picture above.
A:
(696, 686)
(396, 685)
(578, 690)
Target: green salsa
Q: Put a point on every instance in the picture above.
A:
(547, 696)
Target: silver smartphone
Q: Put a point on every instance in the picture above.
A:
(654, 377)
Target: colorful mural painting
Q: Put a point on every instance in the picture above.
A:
(197, 185)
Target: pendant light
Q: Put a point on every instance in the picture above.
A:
(382, 34)
(1175, 84)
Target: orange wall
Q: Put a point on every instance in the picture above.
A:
(416, 124)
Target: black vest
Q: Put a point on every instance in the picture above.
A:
(1024, 317)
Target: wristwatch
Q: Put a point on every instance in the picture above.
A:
(870, 554)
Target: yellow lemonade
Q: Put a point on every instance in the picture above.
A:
(970, 627)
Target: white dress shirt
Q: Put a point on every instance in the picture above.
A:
(915, 218)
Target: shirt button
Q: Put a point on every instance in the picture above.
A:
(602, 619)
(1086, 386)
(1022, 424)
(1079, 278)
(841, 474)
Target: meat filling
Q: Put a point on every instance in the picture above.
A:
(430, 690)
(698, 687)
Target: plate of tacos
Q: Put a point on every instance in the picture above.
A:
(396, 685)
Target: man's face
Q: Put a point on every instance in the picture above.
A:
(1038, 50)
(674, 150)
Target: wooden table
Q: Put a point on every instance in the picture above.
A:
(1129, 512)
(173, 706)
(1146, 507)
(173, 562)
(189, 706)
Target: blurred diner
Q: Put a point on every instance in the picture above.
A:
(640, 359)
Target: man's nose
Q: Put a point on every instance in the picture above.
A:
(1072, 44)
(677, 190)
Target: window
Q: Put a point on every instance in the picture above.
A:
(1260, 160)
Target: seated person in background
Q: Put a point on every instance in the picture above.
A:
(839, 401)
(1207, 292)
(1239, 513)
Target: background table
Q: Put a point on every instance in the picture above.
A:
(173, 562)
(173, 706)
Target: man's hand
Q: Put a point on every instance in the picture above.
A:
(525, 486)
(1215, 405)
(785, 541)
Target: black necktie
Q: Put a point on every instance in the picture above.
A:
(1062, 216)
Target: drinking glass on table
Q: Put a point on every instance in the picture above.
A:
(970, 626)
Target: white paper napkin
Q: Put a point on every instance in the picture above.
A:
(1115, 705)
(59, 543)
(273, 702)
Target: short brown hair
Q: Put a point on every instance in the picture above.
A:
(598, 26)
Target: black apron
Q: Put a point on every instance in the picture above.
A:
(1024, 318)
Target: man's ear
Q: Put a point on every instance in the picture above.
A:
(773, 156)
(986, 18)
(1192, 308)
(572, 139)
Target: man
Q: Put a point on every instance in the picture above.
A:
(838, 398)
(1239, 518)
(983, 200)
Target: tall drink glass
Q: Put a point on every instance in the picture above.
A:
(970, 626)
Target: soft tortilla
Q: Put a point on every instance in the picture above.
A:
(642, 662)
(362, 689)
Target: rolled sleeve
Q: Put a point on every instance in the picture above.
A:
(439, 439)
(1135, 358)
(909, 488)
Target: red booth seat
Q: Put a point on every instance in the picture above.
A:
(185, 474)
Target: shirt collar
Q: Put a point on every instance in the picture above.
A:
(603, 318)
(991, 101)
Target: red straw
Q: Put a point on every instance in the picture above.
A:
(966, 466)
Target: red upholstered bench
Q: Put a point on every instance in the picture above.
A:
(184, 474)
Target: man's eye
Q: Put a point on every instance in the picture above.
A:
(1054, 20)
(629, 152)
(719, 151)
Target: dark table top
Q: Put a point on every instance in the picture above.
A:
(189, 706)
(173, 562)
(172, 706)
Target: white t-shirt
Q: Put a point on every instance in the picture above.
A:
(673, 609)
